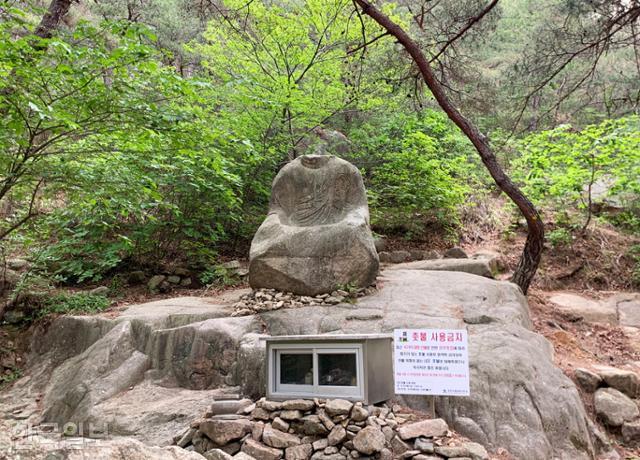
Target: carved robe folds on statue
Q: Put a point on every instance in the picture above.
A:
(316, 237)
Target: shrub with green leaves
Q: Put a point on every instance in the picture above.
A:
(109, 156)
(559, 237)
(561, 169)
(418, 169)
(13, 375)
(74, 303)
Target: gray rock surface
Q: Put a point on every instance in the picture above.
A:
(316, 236)
(151, 371)
(224, 431)
(421, 254)
(298, 404)
(452, 451)
(587, 309)
(359, 413)
(622, 380)
(588, 380)
(217, 454)
(337, 435)
(478, 267)
(424, 445)
(108, 367)
(270, 405)
(260, 451)
(455, 253)
(229, 406)
(631, 431)
(426, 428)
(301, 452)
(614, 407)
(628, 306)
(243, 456)
(369, 440)
(338, 407)
(41, 447)
(8, 278)
(278, 439)
(100, 290)
(154, 283)
(494, 259)
(395, 257)
(136, 277)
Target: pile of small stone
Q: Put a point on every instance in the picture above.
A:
(317, 429)
(164, 282)
(262, 300)
(616, 398)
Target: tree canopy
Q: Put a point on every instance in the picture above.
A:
(137, 133)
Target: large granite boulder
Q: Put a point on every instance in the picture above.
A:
(316, 236)
(152, 370)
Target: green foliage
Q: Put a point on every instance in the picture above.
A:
(285, 68)
(568, 169)
(418, 169)
(175, 22)
(351, 292)
(112, 159)
(74, 303)
(13, 375)
(117, 285)
(628, 220)
(218, 275)
(121, 157)
(559, 237)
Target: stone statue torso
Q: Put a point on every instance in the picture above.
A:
(317, 190)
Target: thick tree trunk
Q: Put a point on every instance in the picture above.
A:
(58, 9)
(532, 251)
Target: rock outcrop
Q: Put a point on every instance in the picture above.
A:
(48, 447)
(316, 237)
(478, 267)
(615, 392)
(143, 372)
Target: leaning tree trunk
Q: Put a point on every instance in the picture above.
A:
(532, 251)
(58, 9)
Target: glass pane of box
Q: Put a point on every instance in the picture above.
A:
(296, 368)
(337, 369)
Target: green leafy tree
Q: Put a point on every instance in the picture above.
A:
(59, 95)
(563, 167)
(287, 68)
(419, 171)
(118, 156)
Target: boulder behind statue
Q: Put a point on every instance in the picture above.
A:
(316, 236)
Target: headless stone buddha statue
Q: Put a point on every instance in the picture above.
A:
(316, 236)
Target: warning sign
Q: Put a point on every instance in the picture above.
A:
(431, 362)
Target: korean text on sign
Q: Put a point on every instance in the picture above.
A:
(431, 362)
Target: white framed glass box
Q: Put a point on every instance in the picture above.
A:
(354, 367)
